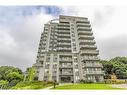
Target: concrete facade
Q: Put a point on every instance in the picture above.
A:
(68, 52)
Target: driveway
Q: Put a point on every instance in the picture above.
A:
(119, 85)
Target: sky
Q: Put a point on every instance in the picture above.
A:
(21, 27)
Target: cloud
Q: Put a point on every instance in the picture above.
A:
(19, 39)
(21, 27)
(113, 47)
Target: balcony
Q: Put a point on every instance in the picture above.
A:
(65, 66)
(63, 28)
(64, 36)
(91, 58)
(88, 47)
(64, 25)
(63, 32)
(83, 42)
(82, 22)
(86, 37)
(92, 65)
(64, 40)
(43, 43)
(85, 33)
(41, 58)
(64, 73)
(93, 72)
(38, 65)
(83, 25)
(64, 49)
(65, 59)
(87, 28)
(90, 52)
(64, 44)
(84, 29)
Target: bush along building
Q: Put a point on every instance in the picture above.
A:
(68, 52)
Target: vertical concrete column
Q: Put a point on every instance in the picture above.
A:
(42, 70)
(51, 67)
(73, 68)
(58, 68)
(40, 78)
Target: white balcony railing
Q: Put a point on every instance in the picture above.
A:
(65, 66)
(63, 38)
(64, 24)
(64, 73)
(65, 59)
(79, 27)
(88, 46)
(87, 41)
(93, 72)
(90, 52)
(61, 27)
(90, 58)
(92, 65)
(86, 36)
(64, 44)
(85, 32)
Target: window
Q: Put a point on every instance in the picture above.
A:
(75, 60)
(54, 72)
(55, 58)
(73, 40)
(45, 77)
(47, 66)
(41, 62)
(47, 59)
(72, 28)
(77, 73)
(73, 35)
(46, 29)
(72, 25)
(47, 72)
(54, 66)
(76, 66)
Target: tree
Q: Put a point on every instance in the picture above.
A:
(10, 74)
(5, 70)
(31, 73)
(3, 84)
(117, 65)
(14, 76)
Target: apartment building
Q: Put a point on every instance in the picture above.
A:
(67, 51)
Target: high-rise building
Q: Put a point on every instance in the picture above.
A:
(68, 52)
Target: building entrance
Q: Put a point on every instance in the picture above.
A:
(66, 79)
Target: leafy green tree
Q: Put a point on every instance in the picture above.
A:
(31, 73)
(3, 84)
(117, 65)
(11, 74)
(14, 76)
(5, 70)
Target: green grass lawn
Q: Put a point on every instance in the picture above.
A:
(87, 87)
(32, 85)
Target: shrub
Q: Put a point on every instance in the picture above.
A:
(120, 82)
(117, 81)
(86, 81)
(13, 83)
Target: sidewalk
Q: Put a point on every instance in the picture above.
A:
(119, 85)
(61, 84)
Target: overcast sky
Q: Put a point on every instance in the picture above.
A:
(21, 27)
